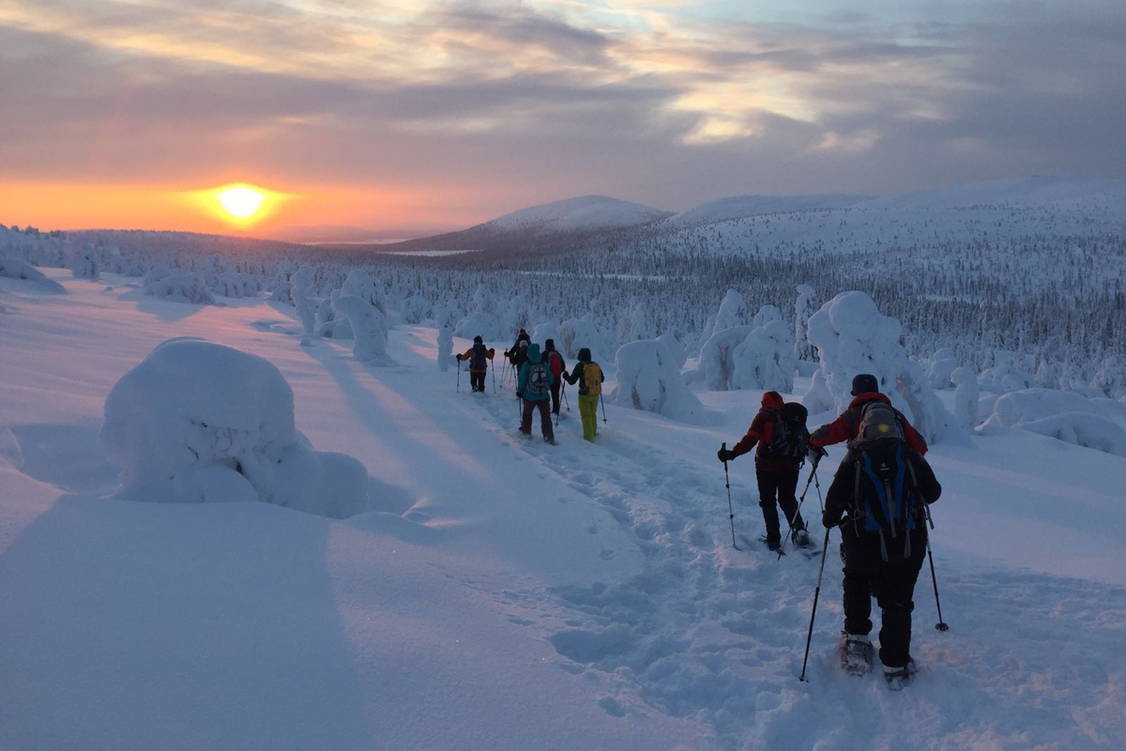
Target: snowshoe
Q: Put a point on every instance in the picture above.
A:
(856, 654)
(774, 545)
(801, 538)
(897, 678)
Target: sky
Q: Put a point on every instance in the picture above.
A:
(405, 117)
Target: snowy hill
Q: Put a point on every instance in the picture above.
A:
(507, 594)
(581, 214)
(736, 207)
(1027, 192)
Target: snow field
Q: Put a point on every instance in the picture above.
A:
(510, 594)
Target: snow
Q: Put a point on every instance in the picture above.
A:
(649, 379)
(580, 213)
(186, 287)
(506, 594)
(1035, 191)
(737, 207)
(16, 268)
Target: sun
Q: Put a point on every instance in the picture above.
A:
(240, 205)
(242, 201)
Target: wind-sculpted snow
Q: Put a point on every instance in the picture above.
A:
(197, 422)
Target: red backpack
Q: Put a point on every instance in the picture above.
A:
(555, 360)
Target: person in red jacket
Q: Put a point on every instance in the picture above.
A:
(777, 475)
(557, 364)
(865, 389)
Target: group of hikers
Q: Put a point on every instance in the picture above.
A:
(879, 496)
(539, 377)
(879, 499)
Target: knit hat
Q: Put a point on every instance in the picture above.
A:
(477, 340)
(865, 383)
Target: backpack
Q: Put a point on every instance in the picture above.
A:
(791, 436)
(537, 383)
(477, 359)
(885, 499)
(556, 361)
(592, 378)
(878, 420)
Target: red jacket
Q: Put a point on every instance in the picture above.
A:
(762, 433)
(845, 427)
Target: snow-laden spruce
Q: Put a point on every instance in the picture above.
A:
(851, 337)
(765, 359)
(197, 422)
(649, 379)
(302, 291)
(732, 312)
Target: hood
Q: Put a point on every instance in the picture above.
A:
(584, 355)
(871, 396)
(533, 353)
(772, 400)
(549, 345)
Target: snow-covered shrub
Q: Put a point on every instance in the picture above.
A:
(941, 368)
(301, 292)
(187, 287)
(1082, 429)
(765, 358)
(369, 329)
(649, 379)
(717, 358)
(234, 284)
(15, 268)
(851, 337)
(1004, 376)
(197, 422)
(965, 396)
(1028, 405)
(484, 320)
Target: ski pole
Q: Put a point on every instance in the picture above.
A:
(797, 509)
(730, 506)
(941, 625)
(603, 407)
(459, 376)
(816, 596)
(566, 401)
(493, 369)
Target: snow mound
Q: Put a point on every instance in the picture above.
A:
(582, 213)
(197, 422)
(186, 287)
(15, 268)
(1038, 190)
(1029, 405)
(1082, 429)
(737, 207)
(649, 379)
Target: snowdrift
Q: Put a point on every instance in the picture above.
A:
(14, 268)
(198, 422)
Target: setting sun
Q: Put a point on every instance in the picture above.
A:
(242, 202)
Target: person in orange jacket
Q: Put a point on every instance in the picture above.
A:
(478, 357)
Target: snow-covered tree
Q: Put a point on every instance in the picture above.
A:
(649, 379)
(717, 358)
(301, 292)
(765, 358)
(941, 366)
(369, 329)
(483, 320)
(803, 309)
(965, 396)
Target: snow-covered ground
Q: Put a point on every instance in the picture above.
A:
(508, 594)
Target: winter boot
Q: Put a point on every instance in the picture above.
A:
(800, 538)
(897, 678)
(856, 653)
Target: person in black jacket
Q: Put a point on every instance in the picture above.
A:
(880, 560)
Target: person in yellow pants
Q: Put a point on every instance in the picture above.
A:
(588, 374)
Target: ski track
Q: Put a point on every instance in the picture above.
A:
(718, 634)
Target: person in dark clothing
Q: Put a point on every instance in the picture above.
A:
(877, 564)
(518, 352)
(478, 357)
(557, 365)
(865, 389)
(777, 475)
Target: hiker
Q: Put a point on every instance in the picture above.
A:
(557, 364)
(877, 498)
(588, 374)
(478, 357)
(534, 387)
(517, 353)
(783, 441)
(865, 391)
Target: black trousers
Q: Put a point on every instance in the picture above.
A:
(555, 395)
(891, 582)
(477, 380)
(545, 418)
(778, 488)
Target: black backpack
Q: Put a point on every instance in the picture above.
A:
(537, 383)
(791, 436)
(477, 359)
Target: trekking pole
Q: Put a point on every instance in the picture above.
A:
(493, 369)
(603, 407)
(730, 506)
(941, 625)
(566, 401)
(459, 376)
(816, 596)
(797, 509)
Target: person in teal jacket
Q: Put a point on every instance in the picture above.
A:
(534, 387)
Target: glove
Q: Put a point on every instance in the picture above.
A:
(830, 519)
(519, 394)
(725, 455)
(815, 453)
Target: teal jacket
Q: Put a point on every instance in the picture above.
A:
(534, 358)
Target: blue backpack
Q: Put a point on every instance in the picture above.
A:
(885, 500)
